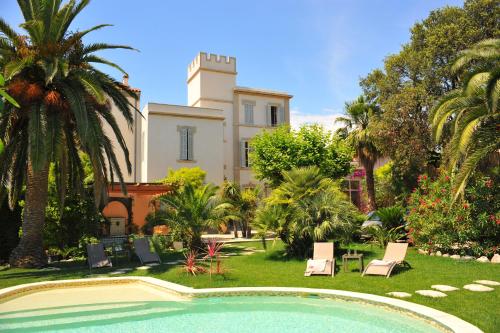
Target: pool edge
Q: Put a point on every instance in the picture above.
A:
(441, 318)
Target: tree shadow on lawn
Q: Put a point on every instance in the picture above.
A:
(281, 255)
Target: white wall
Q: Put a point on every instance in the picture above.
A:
(163, 142)
(131, 139)
(245, 131)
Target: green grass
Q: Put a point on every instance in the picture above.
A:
(272, 269)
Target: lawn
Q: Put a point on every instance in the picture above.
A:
(271, 268)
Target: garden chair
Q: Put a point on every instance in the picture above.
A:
(395, 254)
(142, 250)
(323, 261)
(96, 257)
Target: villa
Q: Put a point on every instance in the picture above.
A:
(211, 132)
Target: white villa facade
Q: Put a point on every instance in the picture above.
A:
(211, 132)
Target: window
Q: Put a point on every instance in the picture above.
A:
(186, 141)
(248, 114)
(275, 115)
(245, 153)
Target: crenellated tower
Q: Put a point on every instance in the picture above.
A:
(211, 78)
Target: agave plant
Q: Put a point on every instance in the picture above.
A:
(64, 100)
(471, 113)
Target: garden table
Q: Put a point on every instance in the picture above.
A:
(353, 256)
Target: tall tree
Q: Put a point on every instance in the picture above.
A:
(358, 124)
(64, 101)
(472, 113)
(283, 149)
(416, 77)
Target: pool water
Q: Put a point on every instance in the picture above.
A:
(238, 314)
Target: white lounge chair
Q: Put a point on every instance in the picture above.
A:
(395, 254)
(323, 261)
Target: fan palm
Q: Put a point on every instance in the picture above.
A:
(361, 115)
(472, 112)
(189, 211)
(63, 102)
(244, 202)
(305, 208)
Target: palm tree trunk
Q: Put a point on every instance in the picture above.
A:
(370, 187)
(29, 252)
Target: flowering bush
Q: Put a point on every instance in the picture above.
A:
(468, 226)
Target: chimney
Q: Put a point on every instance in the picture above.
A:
(125, 80)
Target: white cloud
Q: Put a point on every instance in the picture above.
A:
(326, 118)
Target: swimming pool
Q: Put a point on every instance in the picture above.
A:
(144, 304)
(240, 314)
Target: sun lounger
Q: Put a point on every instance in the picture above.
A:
(96, 257)
(395, 254)
(141, 248)
(323, 261)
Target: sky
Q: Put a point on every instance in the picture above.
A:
(316, 50)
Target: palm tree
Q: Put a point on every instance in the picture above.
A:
(471, 113)
(357, 126)
(189, 211)
(305, 208)
(64, 101)
(244, 202)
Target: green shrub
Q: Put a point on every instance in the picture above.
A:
(385, 194)
(161, 243)
(177, 179)
(79, 216)
(468, 226)
(81, 250)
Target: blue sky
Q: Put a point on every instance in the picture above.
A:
(314, 49)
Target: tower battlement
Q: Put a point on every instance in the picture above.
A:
(214, 62)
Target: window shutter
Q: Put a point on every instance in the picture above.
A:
(242, 154)
(190, 144)
(183, 149)
(281, 115)
(247, 114)
(268, 115)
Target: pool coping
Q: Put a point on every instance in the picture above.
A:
(442, 319)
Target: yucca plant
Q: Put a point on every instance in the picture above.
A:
(471, 113)
(64, 102)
